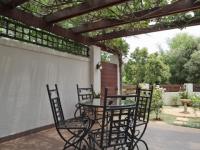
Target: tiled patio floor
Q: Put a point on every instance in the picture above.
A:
(159, 136)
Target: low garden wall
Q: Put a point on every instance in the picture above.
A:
(171, 91)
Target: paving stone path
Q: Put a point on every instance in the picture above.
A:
(181, 121)
(159, 136)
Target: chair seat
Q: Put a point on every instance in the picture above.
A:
(117, 139)
(74, 123)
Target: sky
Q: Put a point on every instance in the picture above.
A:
(153, 40)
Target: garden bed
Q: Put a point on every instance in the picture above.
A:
(174, 116)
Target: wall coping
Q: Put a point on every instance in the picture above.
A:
(39, 49)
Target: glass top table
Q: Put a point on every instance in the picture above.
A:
(122, 100)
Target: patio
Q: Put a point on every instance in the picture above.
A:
(53, 41)
(159, 136)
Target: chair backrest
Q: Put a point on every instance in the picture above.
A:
(56, 106)
(117, 120)
(85, 93)
(144, 104)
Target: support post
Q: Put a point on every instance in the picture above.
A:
(95, 58)
(116, 60)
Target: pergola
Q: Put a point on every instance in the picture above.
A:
(69, 26)
(97, 22)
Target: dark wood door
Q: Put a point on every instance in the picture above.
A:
(109, 78)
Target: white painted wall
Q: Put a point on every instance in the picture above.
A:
(25, 70)
(95, 56)
(168, 96)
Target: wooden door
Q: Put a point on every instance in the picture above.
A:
(109, 78)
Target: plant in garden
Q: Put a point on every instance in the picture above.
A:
(157, 102)
(96, 95)
(184, 95)
(195, 102)
(175, 100)
(185, 100)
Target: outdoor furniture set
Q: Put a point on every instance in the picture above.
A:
(113, 122)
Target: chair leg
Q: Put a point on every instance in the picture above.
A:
(136, 145)
(144, 144)
(140, 140)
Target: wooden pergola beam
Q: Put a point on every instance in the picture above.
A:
(176, 7)
(37, 22)
(9, 4)
(153, 28)
(107, 49)
(90, 5)
(31, 20)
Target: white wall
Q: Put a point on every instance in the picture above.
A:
(95, 74)
(168, 96)
(25, 70)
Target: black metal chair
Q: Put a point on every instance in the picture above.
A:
(143, 112)
(77, 127)
(87, 94)
(115, 131)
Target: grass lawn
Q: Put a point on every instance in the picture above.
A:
(170, 119)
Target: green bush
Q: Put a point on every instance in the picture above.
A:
(195, 101)
(175, 100)
(157, 102)
(184, 95)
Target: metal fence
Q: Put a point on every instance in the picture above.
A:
(18, 31)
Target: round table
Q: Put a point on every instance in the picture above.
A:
(118, 101)
(94, 108)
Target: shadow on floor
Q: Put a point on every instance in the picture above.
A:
(159, 136)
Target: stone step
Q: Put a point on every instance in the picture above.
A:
(182, 119)
(179, 123)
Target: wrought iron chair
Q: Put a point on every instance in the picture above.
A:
(77, 127)
(114, 132)
(85, 94)
(143, 112)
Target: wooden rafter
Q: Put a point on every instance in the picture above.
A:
(153, 28)
(176, 7)
(31, 20)
(107, 49)
(8, 4)
(37, 22)
(90, 5)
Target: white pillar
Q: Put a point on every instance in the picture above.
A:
(95, 58)
(189, 88)
(115, 60)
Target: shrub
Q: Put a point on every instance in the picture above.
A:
(195, 102)
(175, 100)
(184, 95)
(157, 102)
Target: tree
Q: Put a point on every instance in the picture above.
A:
(156, 70)
(105, 57)
(181, 48)
(118, 44)
(135, 67)
(193, 68)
